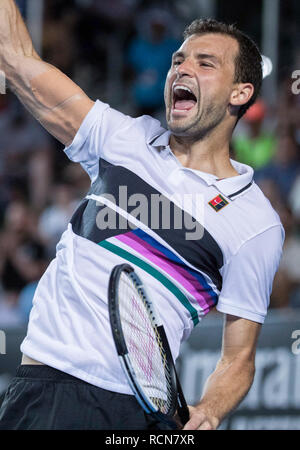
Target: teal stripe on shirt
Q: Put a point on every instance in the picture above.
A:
(156, 274)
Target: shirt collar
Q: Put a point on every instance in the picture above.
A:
(231, 187)
(235, 186)
(161, 140)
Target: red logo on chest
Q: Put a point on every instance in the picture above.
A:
(218, 203)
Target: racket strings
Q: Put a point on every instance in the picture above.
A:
(144, 344)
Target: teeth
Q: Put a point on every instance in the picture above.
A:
(184, 88)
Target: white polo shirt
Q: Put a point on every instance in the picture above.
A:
(196, 241)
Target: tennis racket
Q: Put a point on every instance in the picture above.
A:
(143, 348)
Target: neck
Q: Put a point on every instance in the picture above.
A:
(209, 154)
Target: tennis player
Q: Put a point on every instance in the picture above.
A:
(70, 376)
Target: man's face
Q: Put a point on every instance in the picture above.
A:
(199, 84)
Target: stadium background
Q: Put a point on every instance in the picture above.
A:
(119, 51)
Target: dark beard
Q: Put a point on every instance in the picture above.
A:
(201, 128)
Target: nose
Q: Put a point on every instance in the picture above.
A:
(185, 68)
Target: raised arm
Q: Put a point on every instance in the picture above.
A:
(50, 96)
(230, 382)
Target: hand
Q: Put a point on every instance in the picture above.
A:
(8, 29)
(199, 420)
(14, 37)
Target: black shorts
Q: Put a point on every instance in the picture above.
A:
(43, 398)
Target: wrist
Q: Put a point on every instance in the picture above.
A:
(9, 64)
(20, 69)
(210, 415)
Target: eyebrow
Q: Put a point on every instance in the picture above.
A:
(198, 56)
(178, 55)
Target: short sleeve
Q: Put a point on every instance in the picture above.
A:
(97, 128)
(248, 276)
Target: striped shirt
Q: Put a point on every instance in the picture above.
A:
(196, 241)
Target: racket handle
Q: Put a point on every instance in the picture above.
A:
(184, 415)
(183, 410)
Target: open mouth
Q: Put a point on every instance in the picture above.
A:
(183, 98)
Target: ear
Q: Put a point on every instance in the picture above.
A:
(241, 94)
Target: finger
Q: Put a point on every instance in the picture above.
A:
(190, 425)
(206, 425)
(195, 422)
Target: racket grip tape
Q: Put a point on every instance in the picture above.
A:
(183, 410)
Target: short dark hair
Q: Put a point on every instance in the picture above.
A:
(248, 63)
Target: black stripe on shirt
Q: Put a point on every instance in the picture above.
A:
(204, 253)
(240, 191)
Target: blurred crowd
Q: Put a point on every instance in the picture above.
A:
(119, 51)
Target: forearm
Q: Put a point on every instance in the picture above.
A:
(224, 390)
(53, 99)
(49, 95)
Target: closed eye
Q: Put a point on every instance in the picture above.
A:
(205, 64)
(177, 63)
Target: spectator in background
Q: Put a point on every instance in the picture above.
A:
(149, 55)
(60, 19)
(286, 287)
(294, 200)
(55, 218)
(285, 167)
(101, 33)
(5, 196)
(289, 107)
(25, 154)
(22, 257)
(75, 176)
(256, 147)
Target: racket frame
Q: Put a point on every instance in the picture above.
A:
(179, 402)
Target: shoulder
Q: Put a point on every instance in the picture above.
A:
(255, 210)
(141, 130)
(260, 219)
(108, 123)
(250, 219)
